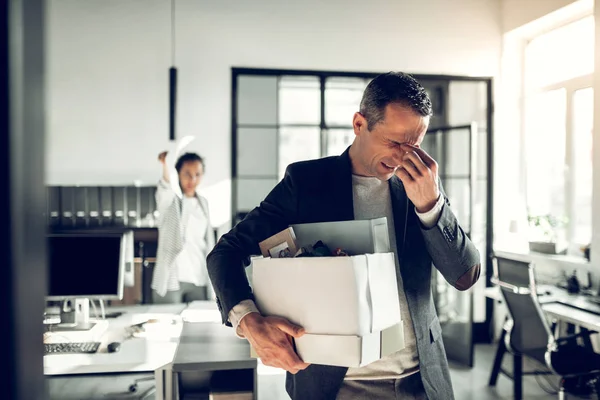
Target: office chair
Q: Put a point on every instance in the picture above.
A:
(528, 333)
(134, 386)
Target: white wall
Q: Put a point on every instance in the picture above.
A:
(108, 60)
(107, 90)
(516, 13)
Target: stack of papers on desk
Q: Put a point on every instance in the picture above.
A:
(156, 326)
(201, 311)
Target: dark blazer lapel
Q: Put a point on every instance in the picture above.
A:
(341, 197)
(399, 204)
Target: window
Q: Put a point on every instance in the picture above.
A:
(342, 100)
(558, 119)
(546, 129)
(283, 116)
(299, 119)
(581, 154)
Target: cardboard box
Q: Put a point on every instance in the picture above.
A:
(348, 306)
(350, 351)
(358, 237)
(284, 240)
(354, 295)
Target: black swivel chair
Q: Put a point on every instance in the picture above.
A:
(527, 333)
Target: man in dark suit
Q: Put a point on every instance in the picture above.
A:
(383, 173)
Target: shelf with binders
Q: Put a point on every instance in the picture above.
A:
(101, 206)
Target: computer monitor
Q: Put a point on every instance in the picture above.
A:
(86, 267)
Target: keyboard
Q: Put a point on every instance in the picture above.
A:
(594, 299)
(71, 348)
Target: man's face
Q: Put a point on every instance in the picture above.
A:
(378, 152)
(190, 175)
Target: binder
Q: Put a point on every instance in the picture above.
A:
(119, 205)
(106, 206)
(80, 206)
(67, 206)
(93, 206)
(53, 206)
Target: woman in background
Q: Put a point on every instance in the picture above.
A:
(185, 235)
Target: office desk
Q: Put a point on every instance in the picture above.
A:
(197, 353)
(564, 261)
(575, 316)
(138, 354)
(108, 375)
(546, 293)
(210, 357)
(561, 312)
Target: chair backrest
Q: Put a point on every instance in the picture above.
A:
(513, 272)
(530, 332)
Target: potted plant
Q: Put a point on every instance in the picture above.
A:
(586, 251)
(545, 234)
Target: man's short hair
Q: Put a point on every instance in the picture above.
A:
(393, 87)
(188, 157)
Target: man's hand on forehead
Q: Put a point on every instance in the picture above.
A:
(418, 171)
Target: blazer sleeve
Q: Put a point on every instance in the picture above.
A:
(451, 250)
(227, 262)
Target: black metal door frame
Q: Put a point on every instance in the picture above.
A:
(459, 342)
(482, 331)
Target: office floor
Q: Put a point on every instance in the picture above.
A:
(469, 384)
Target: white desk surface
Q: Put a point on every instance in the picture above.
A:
(573, 315)
(562, 312)
(550, 293)
(526, 255)
(138, 354)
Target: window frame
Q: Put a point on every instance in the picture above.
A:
(571, 86)
(440, 85)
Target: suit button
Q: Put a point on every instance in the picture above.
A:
(448, 234)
